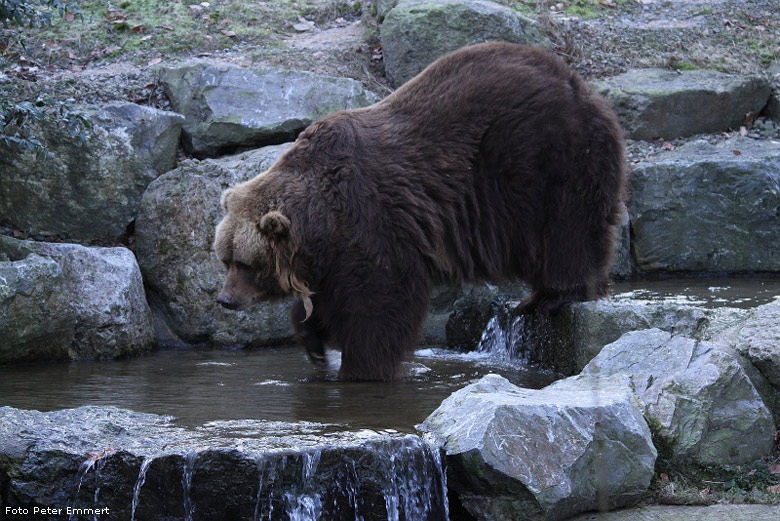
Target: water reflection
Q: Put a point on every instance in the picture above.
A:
(197, 386)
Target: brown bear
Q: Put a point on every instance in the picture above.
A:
(496, 162)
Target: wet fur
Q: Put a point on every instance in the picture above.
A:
(497, 162)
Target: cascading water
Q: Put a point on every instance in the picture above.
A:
(504, 336)
(186, 484)
(138, 484)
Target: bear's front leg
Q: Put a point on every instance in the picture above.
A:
(378, 321)
(308, 332)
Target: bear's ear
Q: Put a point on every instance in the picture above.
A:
(275, 226)
(226, 199)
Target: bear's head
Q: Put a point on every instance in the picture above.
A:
(257, 246)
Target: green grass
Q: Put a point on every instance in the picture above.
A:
(145, 29)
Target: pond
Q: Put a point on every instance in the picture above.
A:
(197, 386)
(279, 384)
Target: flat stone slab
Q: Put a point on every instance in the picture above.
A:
(682, 513)
(228, 108)
(705, 207)
(663, 103)
(143, 467)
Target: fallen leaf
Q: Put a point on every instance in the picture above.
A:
(154, 61)
(196, 7)
(743, 131)
(147, 37)
(737, 152)
(70, 16)
(750, 118)
(138, 29)
(668, 146)
(229, 34)
(664, 477)
(774, 468)
(773, 489)
(167, 27)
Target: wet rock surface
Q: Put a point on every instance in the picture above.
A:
(143, 467)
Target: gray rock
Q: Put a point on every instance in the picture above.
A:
(106, 312)
(228, 108)
(142, 466)
(440, 309)
(571, 338)
(36, 321)
(174, 234)
(706, 207)
(417, 32)
(92, 191)
(772, 109)
(516, 453)
(758, 338)
(696, 396)
(653, 103)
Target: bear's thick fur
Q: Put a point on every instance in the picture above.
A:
(497, 162)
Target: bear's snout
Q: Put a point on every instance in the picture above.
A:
(226, 302)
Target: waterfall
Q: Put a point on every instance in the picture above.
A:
(186, 484)
(138, 484)
(404, 472)
(504, 336)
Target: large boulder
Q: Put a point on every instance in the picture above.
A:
(143, 467)
(517, 453)
(417, 32)
(705, 207)
(105, 314)
(90, 191)
(174, 234)
(758, 339)
(36, 321)
(228, 108)
(653, 103)
(696, 396)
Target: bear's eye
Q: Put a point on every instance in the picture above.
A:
(242, 266)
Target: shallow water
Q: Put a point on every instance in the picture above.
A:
(744, 292)
(279, 384)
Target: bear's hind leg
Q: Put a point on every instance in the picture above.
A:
(548, 301)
